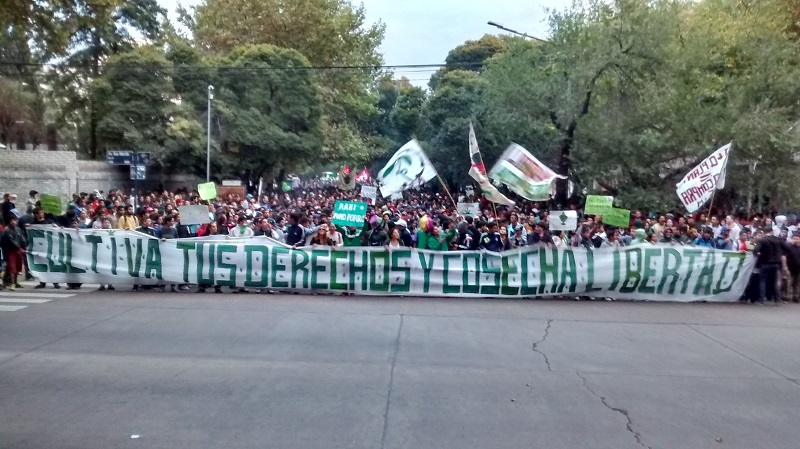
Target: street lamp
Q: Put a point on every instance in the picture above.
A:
(208, 136)
(497, 25)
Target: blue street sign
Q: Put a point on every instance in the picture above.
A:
(125, 157)
(138, 172)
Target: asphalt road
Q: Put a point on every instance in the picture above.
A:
(266, 371)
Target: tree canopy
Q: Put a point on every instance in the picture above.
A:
(623, 96)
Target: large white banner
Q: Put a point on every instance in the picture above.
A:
(697, 187)
(659, 273)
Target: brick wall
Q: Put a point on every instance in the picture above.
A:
(61, 173)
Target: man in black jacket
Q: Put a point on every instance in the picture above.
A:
(793, 263)
(294, 235)
(771, 253)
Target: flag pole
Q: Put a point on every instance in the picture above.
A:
(480, 155)
(447, 190)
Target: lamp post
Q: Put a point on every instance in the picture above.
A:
(208, 135)
(497, 25)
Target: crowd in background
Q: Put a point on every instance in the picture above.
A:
(421, 219)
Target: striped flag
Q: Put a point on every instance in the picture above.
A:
(478, 172)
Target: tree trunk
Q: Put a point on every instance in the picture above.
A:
(564, 166)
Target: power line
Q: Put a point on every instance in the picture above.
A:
(249, 68)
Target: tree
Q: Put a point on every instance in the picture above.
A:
(329, 33)
(271, 119)
(453, 105)
(134, 100)
(471, 55)
(558, 81)
(101, 28)
(405, 115)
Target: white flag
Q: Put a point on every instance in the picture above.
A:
(478, 173)
(524, 174)
(697, 187)
(408, 168)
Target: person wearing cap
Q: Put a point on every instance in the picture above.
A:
(241, 229)
(405, 236)
(724, 240)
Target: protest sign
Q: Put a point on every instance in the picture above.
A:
(397, 196)
(597, 204)
(369, 192)
(616, 217)
(207, 190)
(349, 213)
(698, 186)
(563, 220)
(658, 273)
(194, 215)
(471, 209)
(51, 204)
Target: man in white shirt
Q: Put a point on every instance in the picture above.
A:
(241, 229)
(734, 227)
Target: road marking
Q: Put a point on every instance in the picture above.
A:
(10, 308)
(19, 294)
(23, 300)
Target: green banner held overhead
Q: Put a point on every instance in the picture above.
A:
(51, 204)
(207, 190)
(597, 204)
(349, 213)
(616, 217)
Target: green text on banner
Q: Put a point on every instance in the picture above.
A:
(349, 213)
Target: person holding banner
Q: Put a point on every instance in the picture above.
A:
(13, 244)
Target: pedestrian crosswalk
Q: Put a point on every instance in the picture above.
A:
(11, 301)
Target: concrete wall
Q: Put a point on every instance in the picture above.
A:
(61, 173)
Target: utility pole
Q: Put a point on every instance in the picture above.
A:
(208, 136)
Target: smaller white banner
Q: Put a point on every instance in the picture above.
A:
(471, 209)
(563, 220)
(191, 215)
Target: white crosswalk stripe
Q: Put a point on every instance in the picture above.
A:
(17, 297)
(23, 300)
(19, 294)
(10, 308)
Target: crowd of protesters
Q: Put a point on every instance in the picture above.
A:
(421, 219)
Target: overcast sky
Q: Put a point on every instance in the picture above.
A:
(423, 31)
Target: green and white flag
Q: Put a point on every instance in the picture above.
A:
(524, 174)
(408, 168)
(478, 173)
